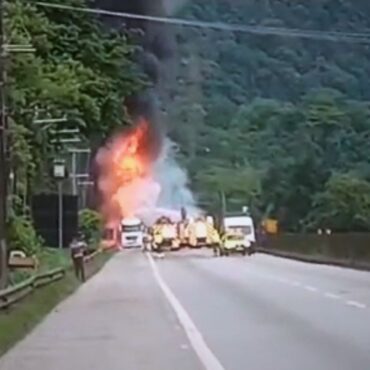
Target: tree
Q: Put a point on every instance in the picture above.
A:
(240, 185)
(80, 69)
(343, 205)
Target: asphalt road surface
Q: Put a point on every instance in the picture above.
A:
(191, 311)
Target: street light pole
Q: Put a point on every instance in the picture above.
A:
(3, 162)
(60, 214)
(60, 174)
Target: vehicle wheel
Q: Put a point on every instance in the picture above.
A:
(244, 253)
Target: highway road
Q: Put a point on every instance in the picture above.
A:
(191, 311)
(270, 313)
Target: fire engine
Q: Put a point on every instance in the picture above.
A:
(165, 235)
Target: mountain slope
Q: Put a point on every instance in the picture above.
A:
(309, 123)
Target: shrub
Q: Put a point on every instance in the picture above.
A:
(22, 236)
(90, 224)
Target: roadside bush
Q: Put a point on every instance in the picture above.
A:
(90, 224)
(22, 236)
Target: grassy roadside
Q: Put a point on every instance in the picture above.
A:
(49, 259)
(20, 319)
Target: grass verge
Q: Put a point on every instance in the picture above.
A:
(21, 318)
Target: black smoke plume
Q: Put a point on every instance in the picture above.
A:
(157, 47)
(157, 43)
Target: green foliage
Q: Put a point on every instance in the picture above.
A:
(344, 204)
(246, 66)
(51, 258)
(80, 69)
(280, 116)
(90, 224)
(22, 236)
(279, 158)
(16, 277)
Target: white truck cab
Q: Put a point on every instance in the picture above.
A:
(132, 233)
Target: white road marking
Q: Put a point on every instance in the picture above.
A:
(355, 304)
(206, 356)
(310, 288)
(331, 295)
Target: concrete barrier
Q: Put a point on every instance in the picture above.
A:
(347, 250)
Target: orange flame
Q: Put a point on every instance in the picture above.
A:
(124, 173)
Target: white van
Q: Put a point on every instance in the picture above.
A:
(132, 233)
(241, 225)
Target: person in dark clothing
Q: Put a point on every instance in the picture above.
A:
(78, 247)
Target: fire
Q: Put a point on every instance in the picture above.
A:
(125, 178)
(127, 163)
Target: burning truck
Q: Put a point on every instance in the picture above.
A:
(138, 175)
(137, 182)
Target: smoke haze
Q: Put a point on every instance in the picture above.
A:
(162, 185)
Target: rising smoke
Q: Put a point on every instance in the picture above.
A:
(175, 193)
(159, 185)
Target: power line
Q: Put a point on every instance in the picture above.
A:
(357, 37)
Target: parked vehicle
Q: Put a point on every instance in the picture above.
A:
(132, 233)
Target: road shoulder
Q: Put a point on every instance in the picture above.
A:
(117, 320)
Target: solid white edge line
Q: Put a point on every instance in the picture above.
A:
(206, 356)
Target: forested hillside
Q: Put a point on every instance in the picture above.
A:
(280, 123)
(78, 70)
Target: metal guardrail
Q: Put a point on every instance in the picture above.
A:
(14, 294)
(91, 256)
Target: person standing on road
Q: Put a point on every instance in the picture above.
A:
(148, 240)
(78, 246)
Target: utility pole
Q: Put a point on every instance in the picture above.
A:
(74, 170)
(60, 175)
(74, 173)
(3, 151)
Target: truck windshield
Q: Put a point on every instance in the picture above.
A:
(131, 228)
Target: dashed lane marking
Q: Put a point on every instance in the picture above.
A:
(313, 289)
(331, 295)
(206, 356)
(355, 304)
(310, 288)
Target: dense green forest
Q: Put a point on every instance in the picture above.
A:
(78, 70)
(279, 123)
(282, 124)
